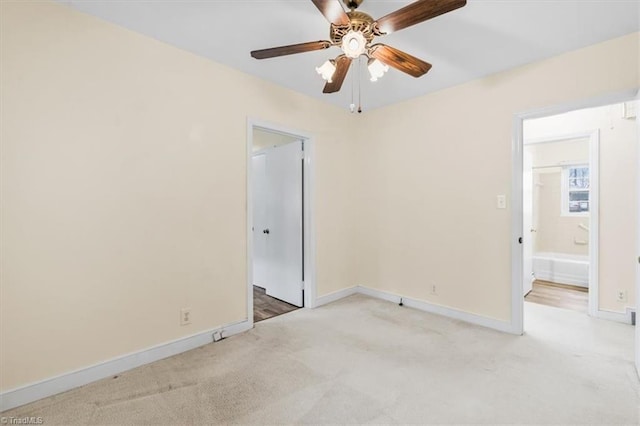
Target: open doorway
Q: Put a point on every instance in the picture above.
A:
(560, 204)
(280, 268)
(579, 218)
(278, 272)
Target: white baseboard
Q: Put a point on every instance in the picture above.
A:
(623, 317)
(35, 391)
(440, 310)
(332, 297)
(67, 381)
(420, 305)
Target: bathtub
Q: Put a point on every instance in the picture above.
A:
(562, 268)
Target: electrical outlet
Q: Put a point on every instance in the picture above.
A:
(434, 290)
(622, 296)
(185, 316)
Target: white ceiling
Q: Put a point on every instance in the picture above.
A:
(484, 37)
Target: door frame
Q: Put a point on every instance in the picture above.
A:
(594, 200)
(638, 246)
(308, 217)
(517, 145)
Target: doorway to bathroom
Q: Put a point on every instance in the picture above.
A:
(560, 203)
(578, 203)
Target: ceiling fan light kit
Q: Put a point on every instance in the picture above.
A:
(327, 70)
(353, 32)
(376, 69)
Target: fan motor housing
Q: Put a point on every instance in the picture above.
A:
(359, 22)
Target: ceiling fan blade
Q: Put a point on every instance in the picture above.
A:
(399, 60)
(291, 49)
(333, 11)
(342, 68)
(417, 12)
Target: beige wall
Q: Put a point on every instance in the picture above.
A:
(618, 193)
(123, 190)
(556, 232)
(430, 169)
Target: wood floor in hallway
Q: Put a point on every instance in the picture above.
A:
(559, 295)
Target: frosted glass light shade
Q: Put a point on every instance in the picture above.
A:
(377, 69)
(327, 70)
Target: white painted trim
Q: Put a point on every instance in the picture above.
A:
(638, 247)
(517, 223)
(623, 317)
(336, 295)
(594, 224)
(308, 187)
(421, 305)
(73, 379)
(308, 184)
(249, 189)
(517, 301)
(504, 326)
(445, 311)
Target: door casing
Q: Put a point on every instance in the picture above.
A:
(308, 217)
(638, 250)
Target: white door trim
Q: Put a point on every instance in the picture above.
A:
(517, 301)
(638, 248)
(308, 186)
(594, 199)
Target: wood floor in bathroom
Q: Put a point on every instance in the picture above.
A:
(559, 295)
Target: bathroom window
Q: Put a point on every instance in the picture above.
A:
(575, 190)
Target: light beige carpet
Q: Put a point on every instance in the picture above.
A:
(362, 360)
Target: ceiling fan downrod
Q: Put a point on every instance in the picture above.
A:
(352, 4)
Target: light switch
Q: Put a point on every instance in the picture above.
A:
(501, 202)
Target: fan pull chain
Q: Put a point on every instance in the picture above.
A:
(352, 106)
(359, 86)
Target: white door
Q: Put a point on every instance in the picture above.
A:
(281, 235)
(527, 222)
(259, 180)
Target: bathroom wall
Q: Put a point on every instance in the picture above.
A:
(555, 231)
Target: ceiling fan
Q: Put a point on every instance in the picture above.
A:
(354, 32)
